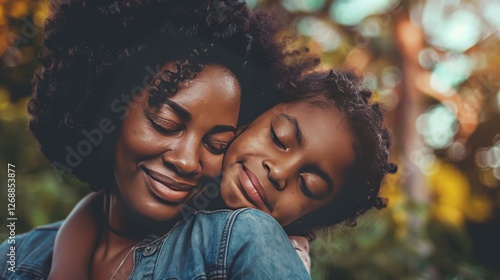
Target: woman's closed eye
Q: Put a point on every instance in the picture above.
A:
(162, 125)
(216, 147)
(218, 141)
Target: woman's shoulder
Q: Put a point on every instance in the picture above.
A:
(238, 228)
(229, 244)
(217, 228)
(245, 219)
(244, 237)
(239, 215)
(28, 254)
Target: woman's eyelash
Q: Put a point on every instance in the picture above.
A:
(217, 150)
(163, 126)
(163, 129)
(276, 140)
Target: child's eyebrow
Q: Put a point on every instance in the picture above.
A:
(296, 127)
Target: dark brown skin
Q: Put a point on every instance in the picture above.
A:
(81, 230)
(268, 168)
(163, 155)
(267, 148)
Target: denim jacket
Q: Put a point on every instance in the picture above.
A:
(222, 244)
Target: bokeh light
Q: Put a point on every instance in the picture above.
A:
(303, 5)
(391, 76)
(449, 26)
(252, 3)
(438, 126)
(458, 150)
(352, 12)
(322, 32)
(490, 11)
(370, 81)
(425, 159)
(428, 57)
(498, 99)
(450, 73)
(488, 160)
(370, 27)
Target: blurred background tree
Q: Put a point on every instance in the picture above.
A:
(434, 64)
(41, 197)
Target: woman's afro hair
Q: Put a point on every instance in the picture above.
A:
(99, 53)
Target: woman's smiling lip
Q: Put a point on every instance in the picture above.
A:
(252, 187)
(166, 188)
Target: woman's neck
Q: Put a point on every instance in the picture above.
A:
(125, 223)
(216, 203)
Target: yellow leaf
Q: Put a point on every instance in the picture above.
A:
(19, 9)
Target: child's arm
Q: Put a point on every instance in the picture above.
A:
(76, 239)
(301, 245)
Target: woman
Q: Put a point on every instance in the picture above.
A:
(188, 73)
(313, 161)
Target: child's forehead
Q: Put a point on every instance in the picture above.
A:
(314, 100)
(314, 104)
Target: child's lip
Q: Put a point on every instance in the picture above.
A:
(254, 186)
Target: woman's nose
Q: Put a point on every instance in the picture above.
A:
(184, 159)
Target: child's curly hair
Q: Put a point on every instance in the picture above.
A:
(361, 187)
(96, 53)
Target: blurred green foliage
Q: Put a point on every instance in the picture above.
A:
(40, 196)
(377, 248)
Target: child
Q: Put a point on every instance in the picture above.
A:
(316, 160)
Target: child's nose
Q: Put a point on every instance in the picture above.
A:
(276, 174)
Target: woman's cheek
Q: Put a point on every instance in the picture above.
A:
(213, 165)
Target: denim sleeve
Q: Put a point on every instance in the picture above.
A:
(4, 257)
(28, 255)
(258, 248)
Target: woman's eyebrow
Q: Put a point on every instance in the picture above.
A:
(179, 110)
(222, 128)
(296, 127)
